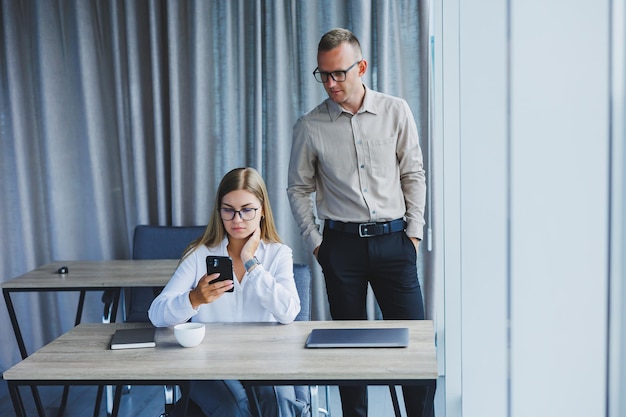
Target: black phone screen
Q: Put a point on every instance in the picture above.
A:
(221, 264)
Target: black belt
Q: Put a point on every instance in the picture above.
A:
(368, 229)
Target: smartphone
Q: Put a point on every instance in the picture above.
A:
(221, 264)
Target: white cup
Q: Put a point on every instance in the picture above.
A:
(189, 334)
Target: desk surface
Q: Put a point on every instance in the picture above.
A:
(96, 274)
(245, 351)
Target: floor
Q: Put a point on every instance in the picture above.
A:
(146, 401)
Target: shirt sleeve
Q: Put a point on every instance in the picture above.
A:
(412, 175)
(301, 185)
(173, 306)
(275, 285)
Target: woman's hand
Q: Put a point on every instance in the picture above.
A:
(206, 292)
(249, 249)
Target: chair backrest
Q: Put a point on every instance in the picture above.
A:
(169, 242)
(163, 242)
(302, 276)
(156, 242)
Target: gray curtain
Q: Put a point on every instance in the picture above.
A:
(119, 113)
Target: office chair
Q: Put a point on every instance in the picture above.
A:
(153, 242)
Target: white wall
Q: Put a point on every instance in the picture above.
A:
(560, 206)
(617, 291)
(523, 132)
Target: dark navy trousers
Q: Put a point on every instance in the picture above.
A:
(389, 264)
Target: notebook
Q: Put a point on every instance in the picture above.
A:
(358, 338)
(133, 338)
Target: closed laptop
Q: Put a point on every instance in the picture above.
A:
(358, 338)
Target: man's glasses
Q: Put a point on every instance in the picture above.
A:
(246, 213)
(338, 76)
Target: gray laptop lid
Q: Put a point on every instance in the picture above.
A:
(358, 338)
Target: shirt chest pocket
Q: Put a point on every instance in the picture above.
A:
(382, 155)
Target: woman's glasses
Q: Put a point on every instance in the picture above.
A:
(246, 213)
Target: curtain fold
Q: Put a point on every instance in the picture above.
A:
(118, 113)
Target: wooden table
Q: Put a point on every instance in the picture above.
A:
(85, 276)
(260, 353)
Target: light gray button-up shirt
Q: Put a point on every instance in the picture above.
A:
(365, 167)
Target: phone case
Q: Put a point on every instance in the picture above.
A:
(221, 264)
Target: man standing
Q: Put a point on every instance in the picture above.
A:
(359, 152)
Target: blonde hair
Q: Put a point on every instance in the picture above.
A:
(247, 179)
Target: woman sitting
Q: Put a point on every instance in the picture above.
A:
(242, 227)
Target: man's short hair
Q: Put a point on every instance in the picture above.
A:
(335, 37)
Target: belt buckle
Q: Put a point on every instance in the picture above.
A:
(363, 232)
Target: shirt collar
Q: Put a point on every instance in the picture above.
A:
(369, 105)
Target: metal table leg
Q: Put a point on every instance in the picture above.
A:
(16, 398)
(22, 348)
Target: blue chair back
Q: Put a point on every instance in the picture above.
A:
(163, 242)
(156, 242)
(302, 276)
(169, 242)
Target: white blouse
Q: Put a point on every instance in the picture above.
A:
(267, 293)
